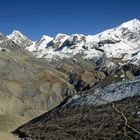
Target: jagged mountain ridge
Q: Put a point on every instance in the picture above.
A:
(122, 42)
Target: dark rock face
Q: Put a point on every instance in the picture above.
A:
(78, 83)
(103, 42)
(133, 68)
(86, 123)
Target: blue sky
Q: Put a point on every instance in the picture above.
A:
(37, 17)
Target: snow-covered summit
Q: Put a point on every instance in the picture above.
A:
(20, 39)
(16, 32)
(132, 24)
(40, 45)
(127, 31)
(43, 41)
(45, 37)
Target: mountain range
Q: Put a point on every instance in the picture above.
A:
(70, 77)
(121, 42)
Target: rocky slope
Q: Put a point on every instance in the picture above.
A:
(28, 86)
(85, 117)
(86, 123)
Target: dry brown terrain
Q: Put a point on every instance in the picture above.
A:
(7, 136)
(115, 121)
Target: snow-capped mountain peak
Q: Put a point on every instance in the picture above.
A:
(15, 35)
(40, 45)
(16, 32)
(61, 37)
(45, 37)
(20, 39)
(132, 24)
(43, 41)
